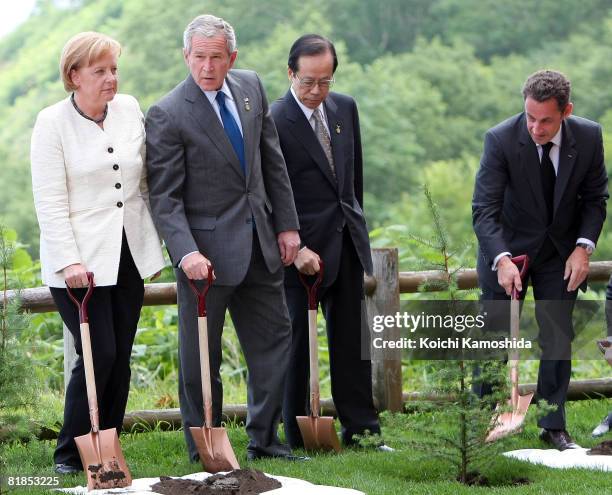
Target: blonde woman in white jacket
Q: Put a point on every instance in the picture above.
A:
(91, 200)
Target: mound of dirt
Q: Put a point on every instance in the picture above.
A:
(604, 448)
(237, 482)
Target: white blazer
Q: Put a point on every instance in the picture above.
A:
(89, 184)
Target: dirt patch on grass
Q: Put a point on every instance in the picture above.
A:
(474, 478)
(237, 482)
(604, 448)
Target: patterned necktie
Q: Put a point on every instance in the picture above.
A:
(547, 173)
(324, 139)
(232, 130)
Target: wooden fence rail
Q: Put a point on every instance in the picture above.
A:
(382, 297)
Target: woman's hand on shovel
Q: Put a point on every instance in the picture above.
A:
(76, 276)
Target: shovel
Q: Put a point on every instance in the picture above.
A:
(213, 444)
(510, 422)
(100, 451)
(318, 432)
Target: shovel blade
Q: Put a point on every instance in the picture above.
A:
(214, 448)
(510, 422)
(318, 433)
(103, 460)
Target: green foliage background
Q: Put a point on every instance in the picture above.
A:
(429, 76)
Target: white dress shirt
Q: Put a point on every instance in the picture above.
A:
(554, 158)
(309, 111)
(229, 103)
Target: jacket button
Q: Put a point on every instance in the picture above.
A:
(339, 229)
(110, 150)
(115, 167)
(117, 186)
(119, 204)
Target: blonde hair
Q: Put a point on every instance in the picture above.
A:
(82, 50)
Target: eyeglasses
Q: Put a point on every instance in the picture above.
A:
(309, 83)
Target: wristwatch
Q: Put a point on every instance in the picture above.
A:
(587, 247)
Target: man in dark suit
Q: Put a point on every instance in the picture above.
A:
(220, 193)
(321, 142)
(541, 190)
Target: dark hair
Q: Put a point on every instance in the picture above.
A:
(546, 84)
(310, 44)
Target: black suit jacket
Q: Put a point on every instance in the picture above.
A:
(325, 206)
(508, 208)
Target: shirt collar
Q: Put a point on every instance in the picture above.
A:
(212, 95)
(308, 111)
(557, 137)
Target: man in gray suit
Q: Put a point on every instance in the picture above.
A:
(220, 194)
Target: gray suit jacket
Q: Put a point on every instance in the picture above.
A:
(200, 199)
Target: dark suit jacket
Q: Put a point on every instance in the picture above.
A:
(200, 198)
(325, 206)
(508, 209)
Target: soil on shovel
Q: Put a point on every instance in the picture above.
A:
(237, 482)
(108, 475)
(604, 448)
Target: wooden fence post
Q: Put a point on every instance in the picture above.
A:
(384, 300)
(69, 355)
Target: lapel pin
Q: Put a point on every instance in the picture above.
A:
(569, 156)
(247, 104)
(338, 128)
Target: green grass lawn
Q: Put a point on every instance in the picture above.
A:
(405, 471)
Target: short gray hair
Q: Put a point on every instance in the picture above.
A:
(209, 26)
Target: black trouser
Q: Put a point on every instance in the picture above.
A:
(609, 307)
(554, 307)
(351, 377)
(113, 318)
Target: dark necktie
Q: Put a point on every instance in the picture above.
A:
(232, 130)
(547, 173)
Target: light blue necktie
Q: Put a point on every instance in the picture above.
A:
(232, 130)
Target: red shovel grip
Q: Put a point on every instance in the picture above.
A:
(201, 294)
(311, 290)
(82, 305)
(522, 263)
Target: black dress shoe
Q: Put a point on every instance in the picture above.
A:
(67, 469)
(559, 439)
(253, 456)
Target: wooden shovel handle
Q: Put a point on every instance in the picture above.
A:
(522, 262)
(90, 377)
(205, 370)
(203, 345)
(313, 344)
